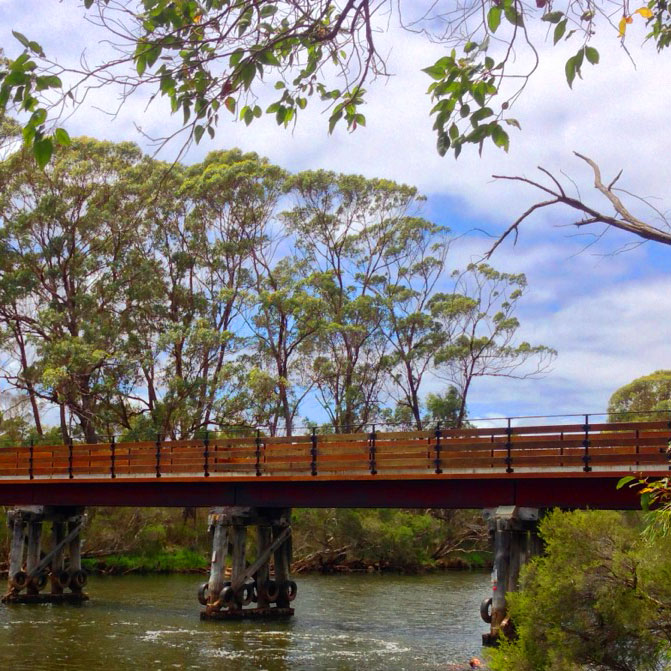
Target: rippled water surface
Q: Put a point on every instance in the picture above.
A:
(369, 622)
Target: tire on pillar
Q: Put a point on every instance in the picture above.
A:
(250, 581)
(514, 531)
(32, 566)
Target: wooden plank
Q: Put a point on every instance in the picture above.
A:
(341, 437)
(398, 435)
(283, 440)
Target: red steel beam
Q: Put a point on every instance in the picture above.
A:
(585, 490)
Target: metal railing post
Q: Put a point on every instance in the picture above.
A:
(31, 460)
(585, 443)
(158, 455)
(509, 447)
(113, 457)
(70, 469)
(313, 452)
(437, 461)
(206, 455)
(372, 464)
(258, 452)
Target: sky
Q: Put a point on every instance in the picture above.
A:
(605, 310)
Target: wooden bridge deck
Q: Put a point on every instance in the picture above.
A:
(575, 464)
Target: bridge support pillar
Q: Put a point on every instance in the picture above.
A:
(30, 568)
(514, 531)
(226, 595)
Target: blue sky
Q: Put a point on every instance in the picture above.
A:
(607, 313)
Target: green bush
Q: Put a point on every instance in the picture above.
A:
(599, 599)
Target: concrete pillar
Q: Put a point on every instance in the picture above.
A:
(273, 535)
(16, 548)
(75, 547)
(281, 561)
(238, 563)
(58, 560)
(516, 541)
(33, 552)
(219, 551)
(263, 540)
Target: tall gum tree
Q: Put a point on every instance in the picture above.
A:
(65, 278)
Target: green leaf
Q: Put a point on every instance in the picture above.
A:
(500, 137)
(553, 17)
(38, 117)
(592, 55)
(513, 122)
(435, 71)
(625, 481)
(443, 143)
(21, 38)
(494, 18)
(230, 104)
(141, 64)
(88, 3)
(198, 133)
(61, 136)
(570, 69)
(42, 151)
(236, 57)
(513, 15)
(560, 29)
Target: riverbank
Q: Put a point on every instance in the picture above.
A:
(120, 541)
(187, 561)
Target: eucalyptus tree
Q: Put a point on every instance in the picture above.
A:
(416, 265)
(480, 331)
(350, 231)
(285, 322)
(66, 236)
(207, 221)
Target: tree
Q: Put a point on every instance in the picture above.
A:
(644, 399)
(207, 56)
(599, 598)
(67, 279)
(479, 331)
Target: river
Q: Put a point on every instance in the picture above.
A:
(342, 623)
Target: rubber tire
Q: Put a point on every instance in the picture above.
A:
(246, 594)
(202, 594)
(40, 580)
(20, 579)
(61, 579)
(271, 591)
(486, 610)
(289, 590)
(227, 597)
(77, 580)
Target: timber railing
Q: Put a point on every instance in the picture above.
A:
(503, 450)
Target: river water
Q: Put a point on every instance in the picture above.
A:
(342, 623)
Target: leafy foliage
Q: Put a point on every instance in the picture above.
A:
(599, 598)
(644, 399)
(141, 298)
(209, 57)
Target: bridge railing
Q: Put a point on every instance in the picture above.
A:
(502, 449)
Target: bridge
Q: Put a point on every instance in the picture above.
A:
(512, 471)
(565, 465)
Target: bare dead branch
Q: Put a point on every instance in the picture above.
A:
(623, 219)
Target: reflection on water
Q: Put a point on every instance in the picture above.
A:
(342, 623)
